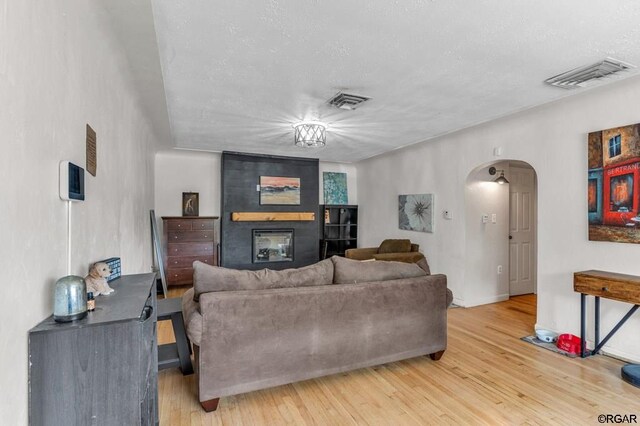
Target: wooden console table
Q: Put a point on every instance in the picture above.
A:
(610, 285)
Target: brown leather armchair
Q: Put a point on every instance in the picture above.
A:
(391, 249)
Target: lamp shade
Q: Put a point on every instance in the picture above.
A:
(501, 179)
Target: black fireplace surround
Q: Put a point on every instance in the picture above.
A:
(240, 180)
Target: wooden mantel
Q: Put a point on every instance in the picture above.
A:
(272, 216)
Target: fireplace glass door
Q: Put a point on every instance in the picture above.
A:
(272, 245)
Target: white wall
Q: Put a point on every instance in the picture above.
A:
(553, 140)
(179, 171)
(60, 68)
(486, 243)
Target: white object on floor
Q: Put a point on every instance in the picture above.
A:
(546, 335)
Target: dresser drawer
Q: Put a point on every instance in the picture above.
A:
(178, 224)
(179, 276)
(187, 261)
(188, 236)
(201, 224)
(190, 249)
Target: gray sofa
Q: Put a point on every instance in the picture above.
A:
(257, 329)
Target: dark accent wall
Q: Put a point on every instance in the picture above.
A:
(240, 177)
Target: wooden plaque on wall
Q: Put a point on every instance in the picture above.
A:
(92, 153)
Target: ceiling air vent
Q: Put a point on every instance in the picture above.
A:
(346, 101)
(589, 75)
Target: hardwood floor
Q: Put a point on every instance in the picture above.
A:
(486, 376)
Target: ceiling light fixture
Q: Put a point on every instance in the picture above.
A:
(500, 179)
(310, 134)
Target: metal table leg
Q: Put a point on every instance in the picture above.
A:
(597, 323)
(583, 320)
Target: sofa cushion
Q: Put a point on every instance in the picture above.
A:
(424, 265)
(395, 246)
(412, 257)
(348, 271)
(192, 317)
(208, 278)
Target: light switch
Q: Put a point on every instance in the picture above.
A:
(447, 214)
(485, 218)
(494, 218)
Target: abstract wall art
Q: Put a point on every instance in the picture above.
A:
(415, 212)
(335, 188)
(613, 184)
(279, 190)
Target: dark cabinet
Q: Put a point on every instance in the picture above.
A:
(338, 229)
(102, 369)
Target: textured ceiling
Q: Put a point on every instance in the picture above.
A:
(238, 74)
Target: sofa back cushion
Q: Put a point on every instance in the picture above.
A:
(395, 246)
(208, 278)
(348, 271)
(411, 257)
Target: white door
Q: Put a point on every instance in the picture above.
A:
(522, 231)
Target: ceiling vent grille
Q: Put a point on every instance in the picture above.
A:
(346, 101)
(589, 75)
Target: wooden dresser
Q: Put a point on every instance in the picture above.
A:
(187, 239)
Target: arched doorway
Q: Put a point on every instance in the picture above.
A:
(501, 232)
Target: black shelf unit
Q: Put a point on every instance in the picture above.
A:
(338, 229)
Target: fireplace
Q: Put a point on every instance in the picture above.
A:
(272, 245)
(254, 243)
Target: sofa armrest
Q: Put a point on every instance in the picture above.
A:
(256, 339)
(361, 253)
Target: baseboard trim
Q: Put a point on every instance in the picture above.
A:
(607, 350)
(482, 301)
(616, 353)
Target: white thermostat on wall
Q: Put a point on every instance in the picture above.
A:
(71, 182)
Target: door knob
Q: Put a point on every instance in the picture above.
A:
(510, 237)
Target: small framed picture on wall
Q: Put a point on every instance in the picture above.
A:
(190, 204)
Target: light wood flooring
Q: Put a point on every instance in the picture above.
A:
(486, 376)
